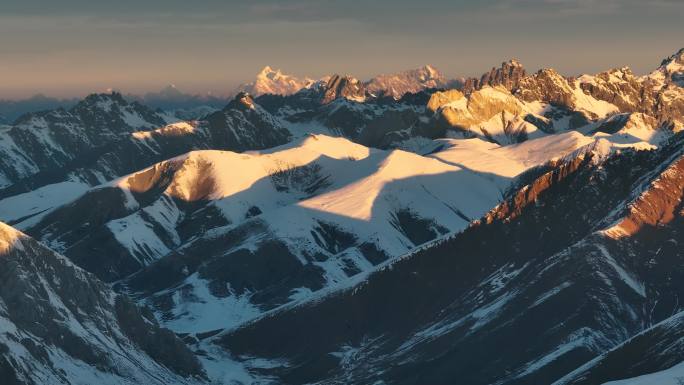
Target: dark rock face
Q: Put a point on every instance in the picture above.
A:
(657, 348)
(81, 226)
(242, 125)
(549, 282)
(418, 230)
(343, 87)
(508, 75)
(375, 122)
(68, 307)
(160, 344)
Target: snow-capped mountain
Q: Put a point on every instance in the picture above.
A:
(331, 208)
(46, 181)
(393, 231)
(275, 82)
(41, 144)
(13, 109)
(60, 324)
(531, 274)
(410, 81)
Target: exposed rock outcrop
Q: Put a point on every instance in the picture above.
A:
(508, 75)
(343, 87)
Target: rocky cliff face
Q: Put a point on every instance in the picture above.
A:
(660, 94)
(654, 353)
(508, 75)
(549, 86)
(62, 325)
(343, 87)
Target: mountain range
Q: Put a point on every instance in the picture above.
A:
(516, 228)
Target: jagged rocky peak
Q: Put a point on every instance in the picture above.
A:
(546, 85)
(242, 101)
(343, 87)
(508, 75)
(398, 84)
(618, 86)
(274, 81)
(676, 58)
(103, 100)
(671, 70)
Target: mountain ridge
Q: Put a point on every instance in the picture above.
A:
(499, 208)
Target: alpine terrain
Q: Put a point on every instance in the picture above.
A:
(521, 227)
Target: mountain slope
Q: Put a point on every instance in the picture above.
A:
(320, 211)
(653, 356)
(524, 229)
(473, 301)
(61, 325)
(47, 141)
(240, 126)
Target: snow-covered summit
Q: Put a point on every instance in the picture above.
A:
(274, 81)
(415, 80)
(671, 70)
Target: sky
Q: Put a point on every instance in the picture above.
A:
(75, 47)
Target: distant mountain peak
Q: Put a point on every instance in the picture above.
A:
(678, 57)
(671, 70)
(243, 100)
(270, 73)
(414, 80)
(274, 81)
(103, 100)
(170, 89)
(509, 75)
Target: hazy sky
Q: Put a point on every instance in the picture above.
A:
(73, 47)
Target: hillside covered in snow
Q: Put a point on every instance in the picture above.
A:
(517, 228)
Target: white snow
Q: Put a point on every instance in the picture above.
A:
(627, 278)
(39, 202)
(208, 312)
(671, 376)
(363, 190)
